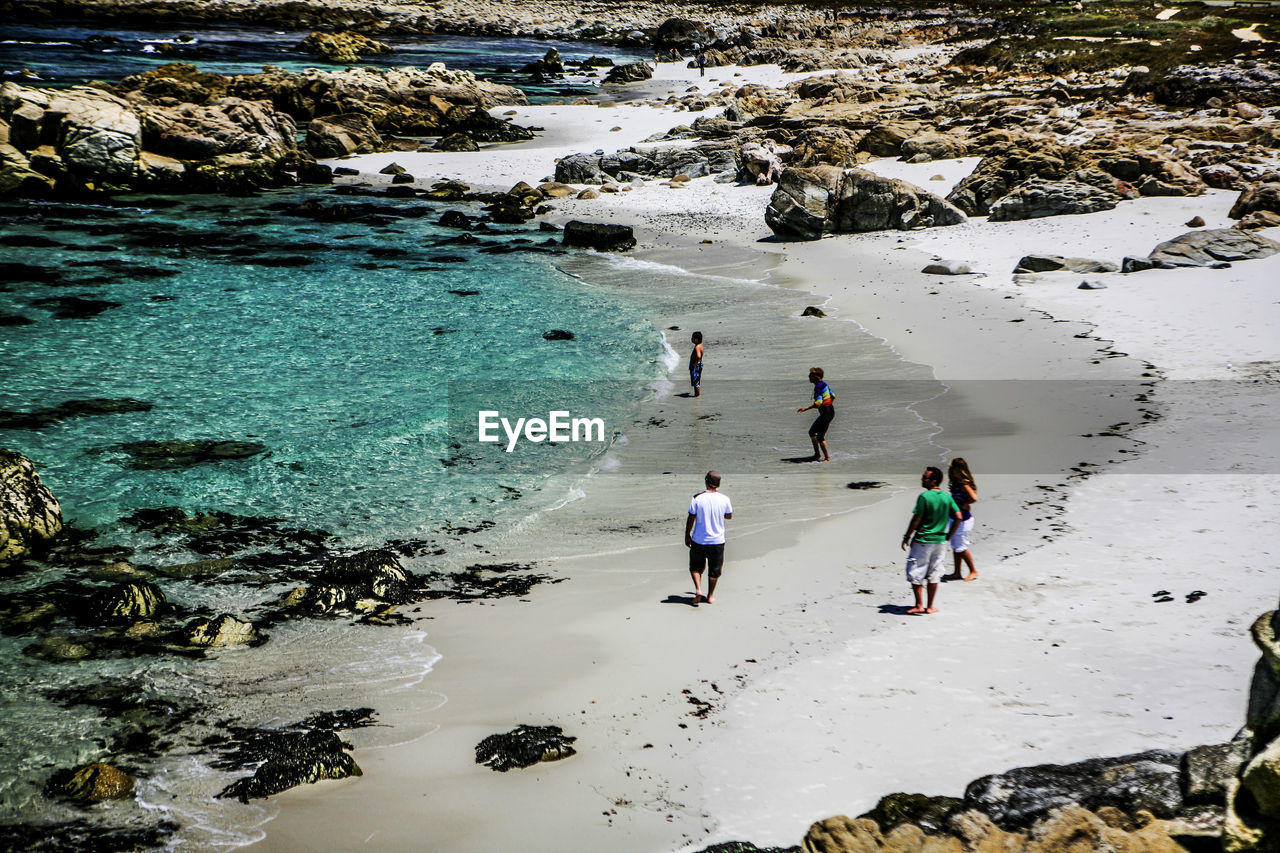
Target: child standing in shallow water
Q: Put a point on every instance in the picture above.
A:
(695, 364)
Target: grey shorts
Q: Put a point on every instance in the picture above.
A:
(924, 562)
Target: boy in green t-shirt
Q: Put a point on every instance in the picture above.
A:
(933, 521)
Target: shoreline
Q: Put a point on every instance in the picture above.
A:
(649, 776)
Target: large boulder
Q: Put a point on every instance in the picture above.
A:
(1037, 198)
(1260, 197)
(1212, 246)
(829, 146)
(603, 237)
(800, 207)
(1018, 798)
(867, 202)
(632, 72)
(225, 630)
(885, 139)
(95, 783)
(231, 126)
(295, 758)
(126, 602)
(374, 574)
(29, 513)
(340, 135)
(579, 169)
(96, 135)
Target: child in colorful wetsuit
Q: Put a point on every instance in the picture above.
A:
(824, 400)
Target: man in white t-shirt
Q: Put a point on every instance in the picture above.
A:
(704, 536)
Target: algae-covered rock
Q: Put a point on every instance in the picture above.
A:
(296, 759)
(524, 746)
(94, 783)
(126, 602)
(929, 813)
(29, 513)
(344, 47)
(184, 453)
(375, 573)
(224, 630)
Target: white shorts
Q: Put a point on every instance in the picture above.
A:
(960, 539)
(924, 562)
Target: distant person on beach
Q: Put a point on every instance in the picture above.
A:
(825, 402)
(933, 523)
(704, 536)
(695, 364)
(964, 491)
(702, 64)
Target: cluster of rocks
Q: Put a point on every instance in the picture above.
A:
(175, 128)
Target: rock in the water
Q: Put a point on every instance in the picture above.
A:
(867, 202)
(296, 759)
(182, 454)
(1053, 263)
(343, 48)
(127, 601)
(1018, 798)
(524, 746)
(1260, 197)
(1038, 198)
(225, 630)
(558, 335)
(375, 573)
(632, 72)
(948, 268)
(1205, 248)
(603, 237)
(94, 783)
(29, 513)
(813, 311)
(928, 813)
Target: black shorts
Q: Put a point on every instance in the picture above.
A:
(712, 556)
(825, 416)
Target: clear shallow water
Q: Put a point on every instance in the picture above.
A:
(66, 54)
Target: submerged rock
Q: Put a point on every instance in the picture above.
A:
(225, 630)
(183, 454)
(29, 513)
(524, 746)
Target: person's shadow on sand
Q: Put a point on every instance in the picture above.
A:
(687, 600)
(798, 459)
(895, 610)
(684, 394)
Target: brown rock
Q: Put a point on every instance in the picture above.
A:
(94, 783)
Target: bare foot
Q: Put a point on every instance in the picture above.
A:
(916, 610)
(710, 600)
(696, 599)
(931, 610)
(972, 576)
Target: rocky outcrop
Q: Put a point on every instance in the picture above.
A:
(1213, 246)
(29, 513)
(812, 202)
(342, 134)
(343, 48)
(294, 759)
(668, 161)
(376, 574)
(603, 237)
(1252, 199)
(524, 746)
(1037, 198)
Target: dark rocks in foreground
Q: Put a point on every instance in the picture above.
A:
(603, 237)
(524, 746)
(302, 754)
(91, 783)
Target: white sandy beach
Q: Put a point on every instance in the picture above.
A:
(823, 695)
